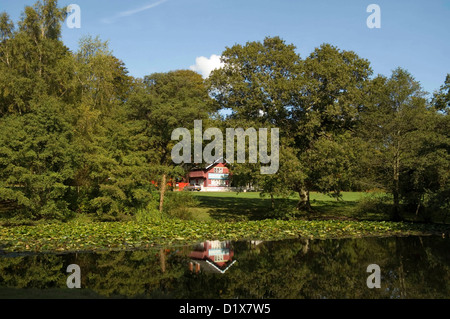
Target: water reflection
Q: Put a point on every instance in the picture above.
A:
(211, 256)
(412, 267)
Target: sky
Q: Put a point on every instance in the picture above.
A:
(163, 35)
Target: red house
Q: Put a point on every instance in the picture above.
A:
(215, 177)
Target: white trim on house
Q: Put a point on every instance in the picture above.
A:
(217, 161)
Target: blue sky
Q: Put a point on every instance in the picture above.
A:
(163, 35)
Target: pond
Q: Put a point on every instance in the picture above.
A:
(409, 267)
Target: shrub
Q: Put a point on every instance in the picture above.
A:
(375, 206)
(148, 215)
(178, 204)
(283, 209)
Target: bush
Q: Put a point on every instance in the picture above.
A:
(375, 206)
(284, 209)
(178, 204)
(148, 215)
(438, 206)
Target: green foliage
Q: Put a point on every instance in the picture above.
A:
(377, 205)
(148, 215)
(36, 161)
(75, 236)
(179, 204)
(159, 104)
(257, 81)
(34, 62)
(331, 93)
(406, 148)
(90, 165)
(313, 101)
(441, 98)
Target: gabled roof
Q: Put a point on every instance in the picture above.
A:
(217, 161)
(217, 269)
(209, 266)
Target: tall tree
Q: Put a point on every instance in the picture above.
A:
(34, 62)
(257, 81)
(37, 161)
(312, 101)
(393, 123)
(110, 178)
(326, 107)
(37, 153)
(159, 104)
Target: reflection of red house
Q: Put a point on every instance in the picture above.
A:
(215, 177)
(215, 256)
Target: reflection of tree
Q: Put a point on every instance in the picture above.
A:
(134, 274)
(410, 268)
(330, 269)
(424, 268)
(268, 271)
(42, 271)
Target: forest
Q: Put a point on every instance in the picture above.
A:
(80, 136)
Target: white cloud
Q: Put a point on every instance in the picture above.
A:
(205, 66)
(132, 12)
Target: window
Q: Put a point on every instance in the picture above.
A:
(218, 183)
(218, 170)
(219, 258)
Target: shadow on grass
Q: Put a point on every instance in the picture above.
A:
(239, 208)
(236, 208)
(345, 210)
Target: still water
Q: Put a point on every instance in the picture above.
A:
(411, 267)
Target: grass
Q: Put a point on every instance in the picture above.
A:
(251, 206)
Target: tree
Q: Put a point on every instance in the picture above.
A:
(395, 125)
(313, 101)
(159, 104)
(425, 185)
(326, 108)
(90, 87)
(441, 98)
(33, 59)
(111, 178)
(257, 81)
(37, 154)
(37, 161)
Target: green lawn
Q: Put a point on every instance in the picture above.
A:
(232, 206)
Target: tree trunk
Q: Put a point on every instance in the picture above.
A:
(162, 192)
(273, 201)
(401, 270)
(305, 247)
(396, 191)
(162, 260)
(304, 203)
(396, 208)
